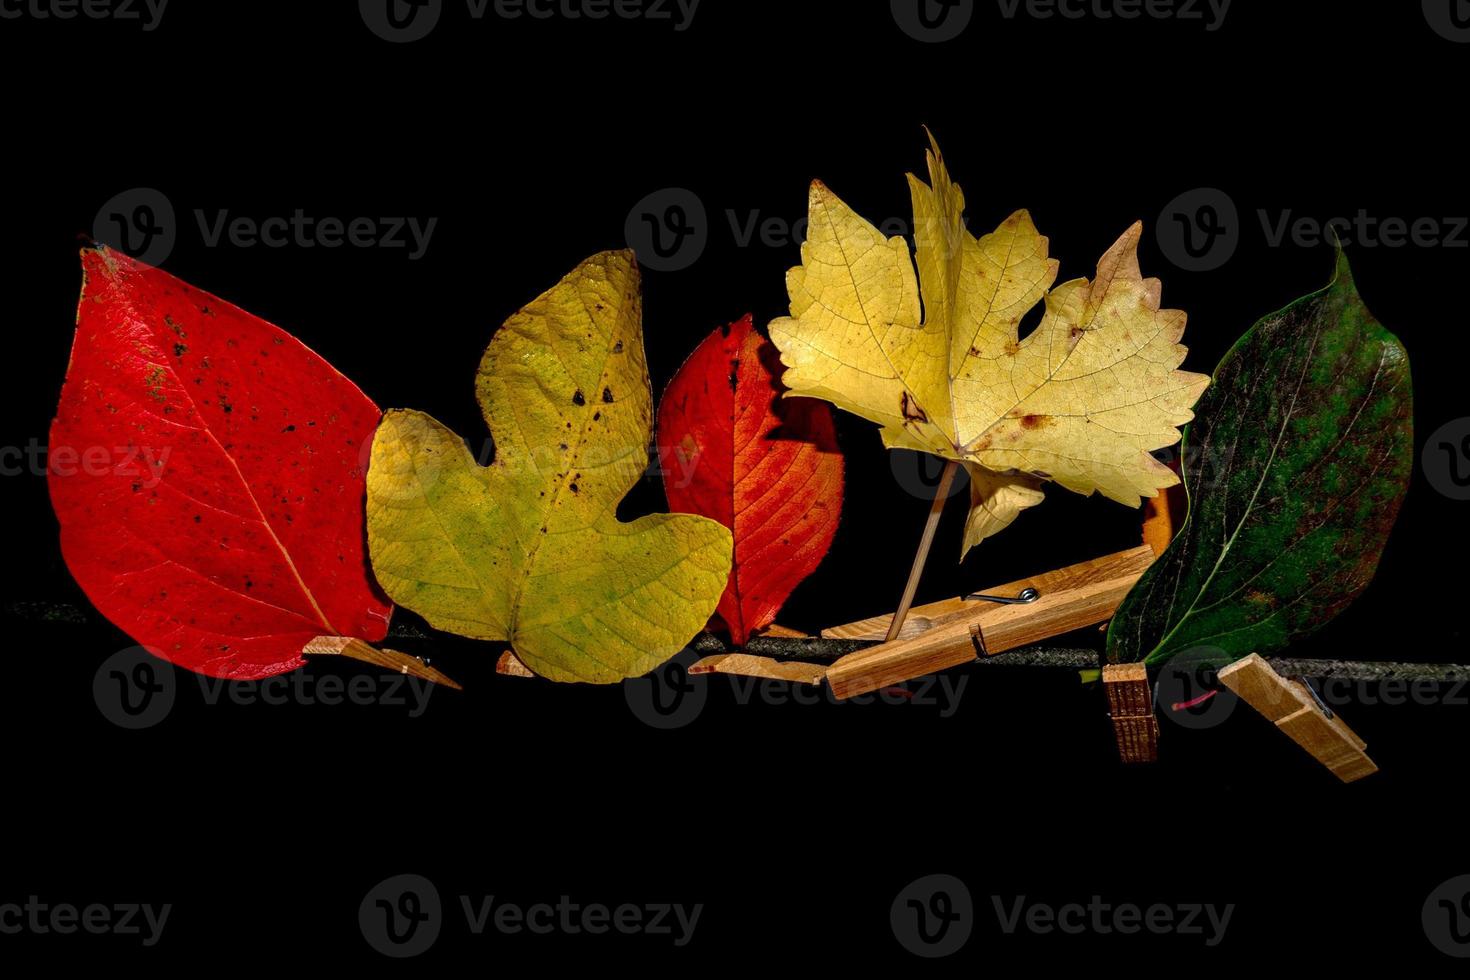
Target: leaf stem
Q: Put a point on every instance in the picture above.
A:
(935, 509)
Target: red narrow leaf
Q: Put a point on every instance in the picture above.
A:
(208, 472)
(766, 467)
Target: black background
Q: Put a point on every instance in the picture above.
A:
(795, 824)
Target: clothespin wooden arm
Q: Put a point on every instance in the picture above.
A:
(355, 649)
(1070, 598)
(1295, 710)
(1131, 707)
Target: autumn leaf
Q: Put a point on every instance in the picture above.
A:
(1302, 454)
(529, 548)
(207, 471)
(767, 468)
(936, 360)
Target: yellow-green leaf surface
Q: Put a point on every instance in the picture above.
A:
(933, 354)
(529, 549)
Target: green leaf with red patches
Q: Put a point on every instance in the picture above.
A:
(1297, 462)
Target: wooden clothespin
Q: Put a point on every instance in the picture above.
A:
(510, 665)
(764, 668)
(355, 649)
(958, 630)
(1131, 705)
(1130, 698)
(1297, 711)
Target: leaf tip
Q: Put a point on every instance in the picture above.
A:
(1342, 271)
(933, 143)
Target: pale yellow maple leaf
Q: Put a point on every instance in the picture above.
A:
(1082, 400)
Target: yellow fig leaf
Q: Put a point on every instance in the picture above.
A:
(529, 548)
(928, 347)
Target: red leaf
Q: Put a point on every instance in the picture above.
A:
(766, 467)
(208, 472)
